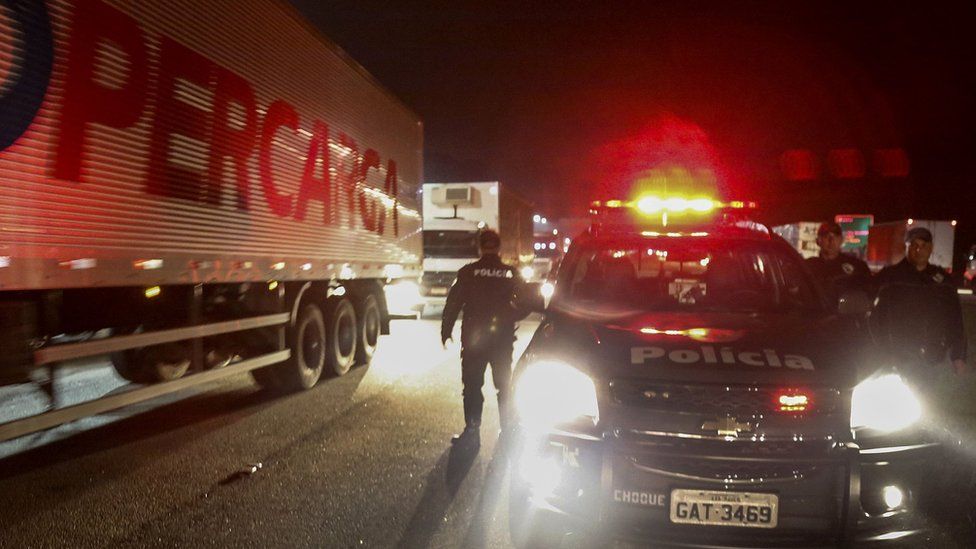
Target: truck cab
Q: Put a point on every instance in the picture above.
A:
(449, 244)
(453, 214)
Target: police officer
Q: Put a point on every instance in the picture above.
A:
(838, 272)
(924, 304)
(486, 291)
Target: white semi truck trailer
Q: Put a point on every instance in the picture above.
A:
(209, 186)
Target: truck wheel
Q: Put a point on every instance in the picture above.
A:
(308, 346)
(369, 329)
(308, 343)
(124, 363)
(342, 336)
(167, 362)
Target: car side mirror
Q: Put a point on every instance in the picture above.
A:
(854, 303)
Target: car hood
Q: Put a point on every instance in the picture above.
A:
(767, 349)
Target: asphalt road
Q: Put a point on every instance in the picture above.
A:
(362, 460)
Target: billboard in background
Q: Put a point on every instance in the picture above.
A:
(802, 235)
(855, 228)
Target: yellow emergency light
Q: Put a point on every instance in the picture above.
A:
(654, 212)
(654, 204)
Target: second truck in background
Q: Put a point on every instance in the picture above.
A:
(453, 214)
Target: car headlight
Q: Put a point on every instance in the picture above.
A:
(528, 273)
(547, 289)
(884, 403)
(550, 392)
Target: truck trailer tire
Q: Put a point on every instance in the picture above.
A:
(308, 344)
(369, 329)
(125, 364)
(343, 336)
(307, 341)
(167, 362)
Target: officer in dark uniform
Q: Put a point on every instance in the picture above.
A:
(918, 308)
(837, 272)
(486, 291)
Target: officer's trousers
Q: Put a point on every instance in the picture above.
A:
(474, 361)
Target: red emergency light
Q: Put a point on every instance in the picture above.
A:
(653, 204)
(678, 216)
(792, 401)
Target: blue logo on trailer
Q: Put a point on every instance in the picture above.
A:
(30, 73)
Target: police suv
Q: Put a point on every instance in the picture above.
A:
(689, 386)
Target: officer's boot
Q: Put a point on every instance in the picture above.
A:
(471, 436)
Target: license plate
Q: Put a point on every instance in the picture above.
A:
(438, 291)
(709, 508)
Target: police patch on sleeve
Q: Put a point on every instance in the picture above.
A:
(847, 268)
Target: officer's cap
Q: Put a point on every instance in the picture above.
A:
(829, 227)
(918, 232)
(489, 240)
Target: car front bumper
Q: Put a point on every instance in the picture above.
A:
(618, 489)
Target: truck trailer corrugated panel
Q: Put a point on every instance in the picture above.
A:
(194, 141)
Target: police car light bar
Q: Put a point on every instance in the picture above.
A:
(654, 215)
(656, 204)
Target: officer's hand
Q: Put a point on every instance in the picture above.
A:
(960, 366)
(444, 341)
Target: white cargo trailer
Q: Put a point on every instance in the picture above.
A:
(212, 182)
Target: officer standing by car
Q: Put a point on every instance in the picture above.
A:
(836, 271)
(917, 306)
(486, 291)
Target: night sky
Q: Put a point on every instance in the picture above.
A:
(811, 108)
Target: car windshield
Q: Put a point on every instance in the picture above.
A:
(715, 276)
(451, 244)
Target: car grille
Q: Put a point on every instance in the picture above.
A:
(769, 448)
(717, 399)
(730, 472)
